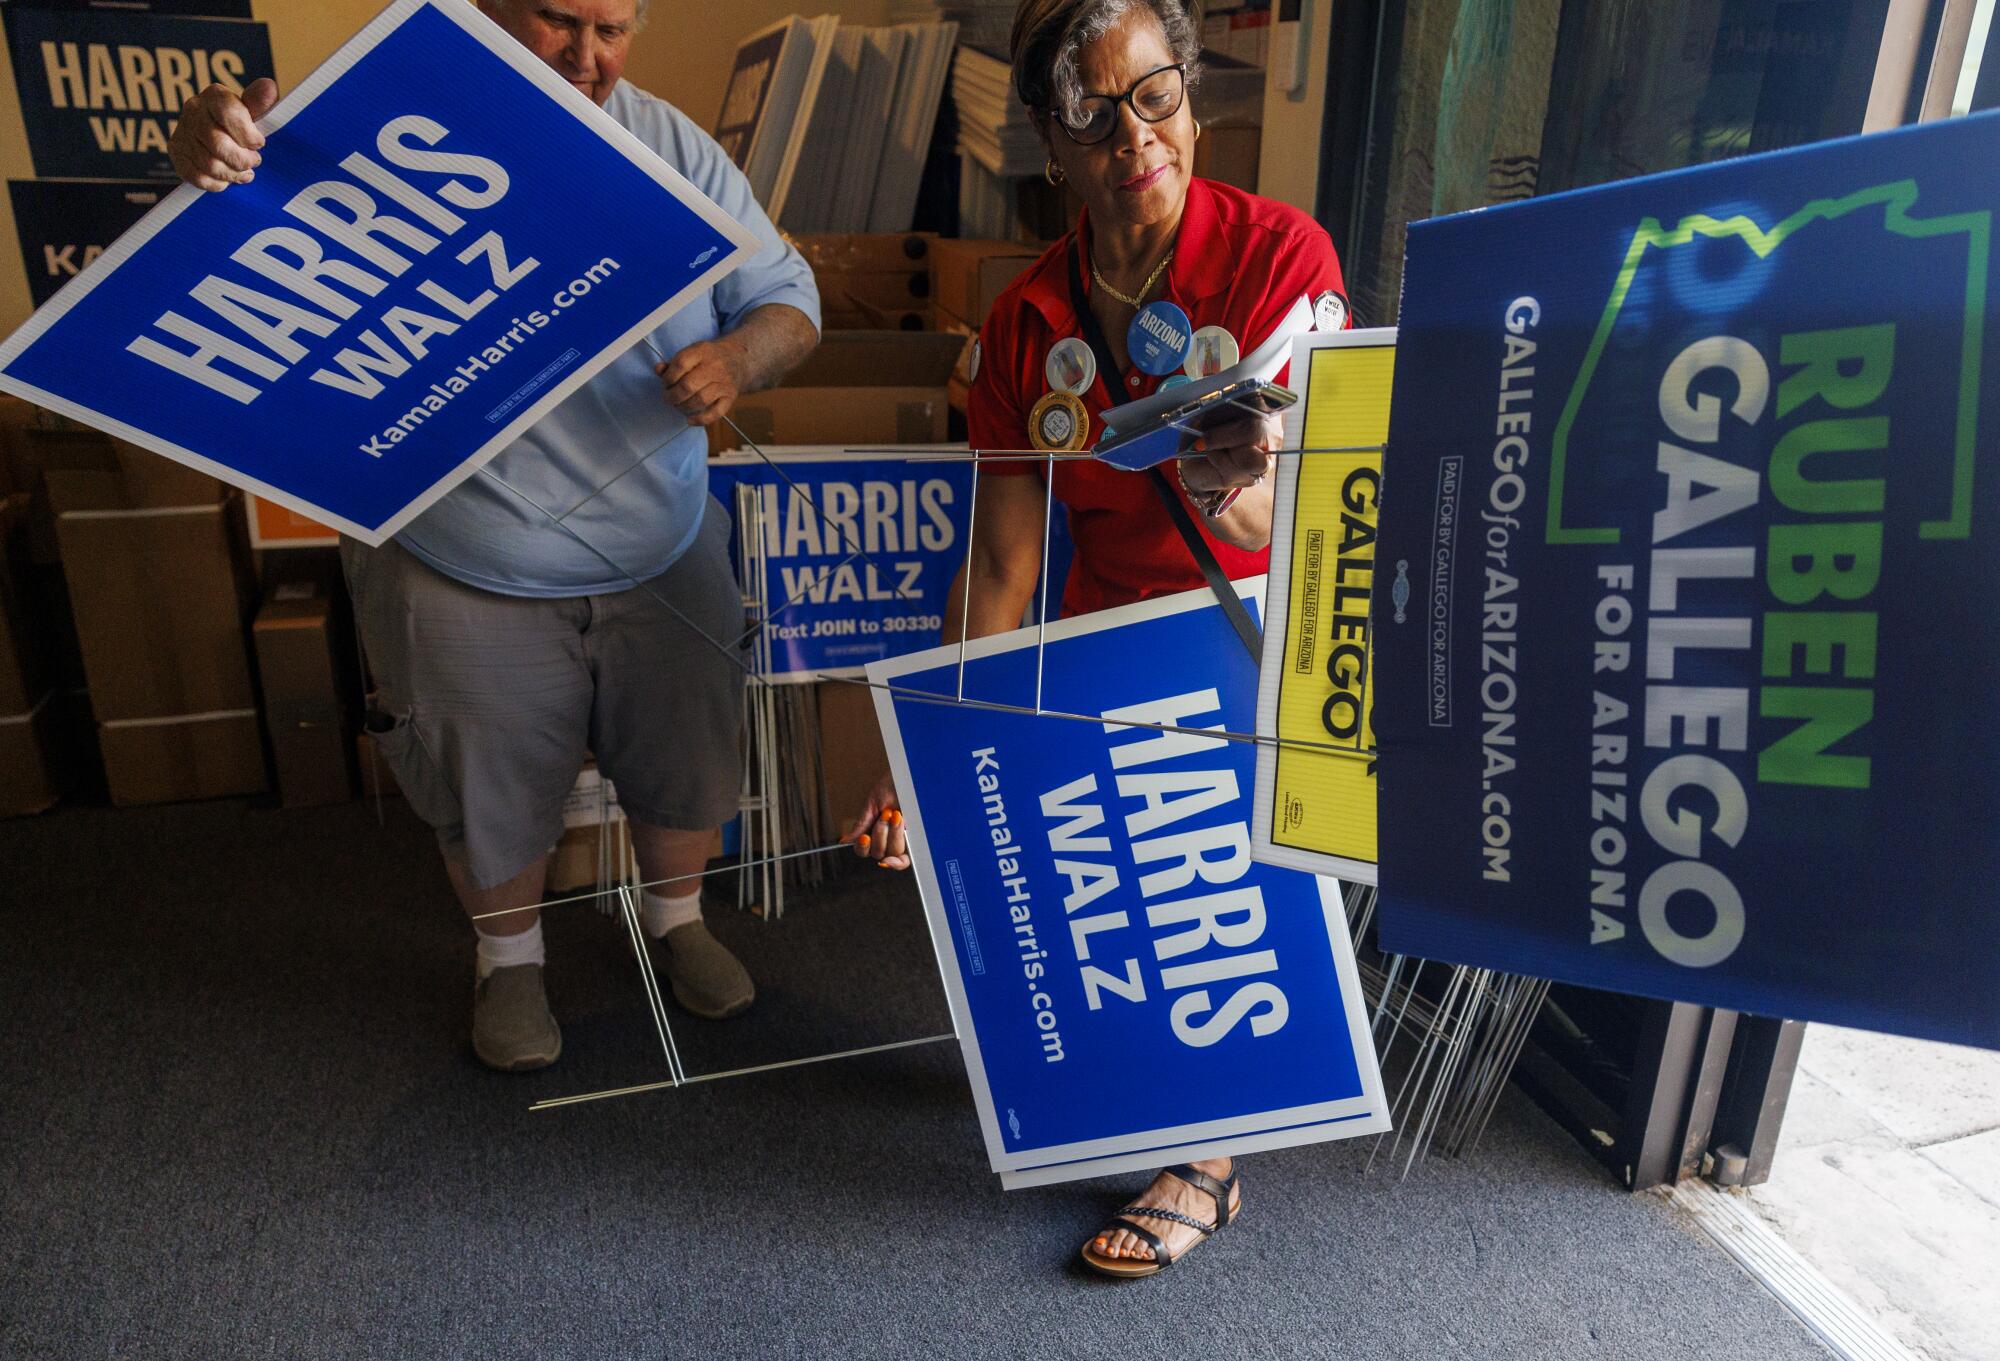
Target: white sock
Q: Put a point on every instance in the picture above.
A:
(662, 915)
(503, 952)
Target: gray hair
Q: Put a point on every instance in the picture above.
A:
(1050, 35)
(638, 10)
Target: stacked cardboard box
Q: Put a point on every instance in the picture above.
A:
(871, 281)
(968, 275)
(859, 389)
(854, 756)
(1232, 119)
(302, 661)
(591, 815)
(158, 583)
(33, 771)
(966, 278)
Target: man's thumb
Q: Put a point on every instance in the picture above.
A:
(260, 96)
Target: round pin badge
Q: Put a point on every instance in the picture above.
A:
(1159, 338)
(1212, 350)
(1070, 367)
(1330, 312)
(972, 362)
(1058, 422)
(1173, 380)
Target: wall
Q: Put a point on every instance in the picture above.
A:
(683, 56)
(1289, 166)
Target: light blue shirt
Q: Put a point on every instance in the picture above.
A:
(586, 461)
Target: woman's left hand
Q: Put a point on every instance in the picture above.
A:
(1234, 455)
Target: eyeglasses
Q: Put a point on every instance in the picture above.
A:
(1155, 97)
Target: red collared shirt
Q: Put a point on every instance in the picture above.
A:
(1240, 262)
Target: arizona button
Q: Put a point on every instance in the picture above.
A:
(1159, 338)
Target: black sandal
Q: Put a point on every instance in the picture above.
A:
(1162, 1259)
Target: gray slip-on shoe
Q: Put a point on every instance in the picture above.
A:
(706, 978)
(512, 1029)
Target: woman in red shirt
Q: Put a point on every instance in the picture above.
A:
(1164, 273)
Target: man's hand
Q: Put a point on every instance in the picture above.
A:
(704, 380)
(216, 142)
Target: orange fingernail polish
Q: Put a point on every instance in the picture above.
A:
(863, 841)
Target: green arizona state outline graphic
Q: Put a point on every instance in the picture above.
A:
(1896, 199)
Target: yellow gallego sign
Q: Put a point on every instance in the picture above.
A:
(1315, 802)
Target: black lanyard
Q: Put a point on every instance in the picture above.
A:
(1177, 511)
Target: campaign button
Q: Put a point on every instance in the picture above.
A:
(1159, 338)
(1070, 367)
(1058, 423)
(1212, 351)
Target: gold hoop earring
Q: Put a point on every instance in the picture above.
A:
(1197, 129)
(1053, 173)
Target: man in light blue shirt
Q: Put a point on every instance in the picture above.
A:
(505, 644)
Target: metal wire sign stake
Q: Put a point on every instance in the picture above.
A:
(1466, 1038)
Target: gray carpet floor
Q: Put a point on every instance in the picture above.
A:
(239, 1118)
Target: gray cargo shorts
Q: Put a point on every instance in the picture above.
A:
(492, 701)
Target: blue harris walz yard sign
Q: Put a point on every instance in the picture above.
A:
(859, 554)
(1692, 482)
(1129, 987)
(443, 241)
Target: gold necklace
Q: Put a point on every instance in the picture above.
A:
(1144, 288)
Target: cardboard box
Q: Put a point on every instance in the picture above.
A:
(853, 756)
(1228, 154)
(299, 676)
(966, 276)
(49, 590)
(187, 756)
(591, 811)
(878, 319)
(858, 388)
(276, 526)
(861, 252)
(35, 771)
(144, 479)
(25, 665)
(16, 416)
(905, 290)
(159, 595)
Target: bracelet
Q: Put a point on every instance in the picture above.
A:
(1212, 504)
(1209, 503)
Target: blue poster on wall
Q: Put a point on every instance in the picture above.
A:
(1685, 688)
(444, 240)
(65, 225)
(101, 89)
(1129, 987)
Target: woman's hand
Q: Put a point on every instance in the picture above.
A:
(1234, 455)
(878, 833)
(1237, 456)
